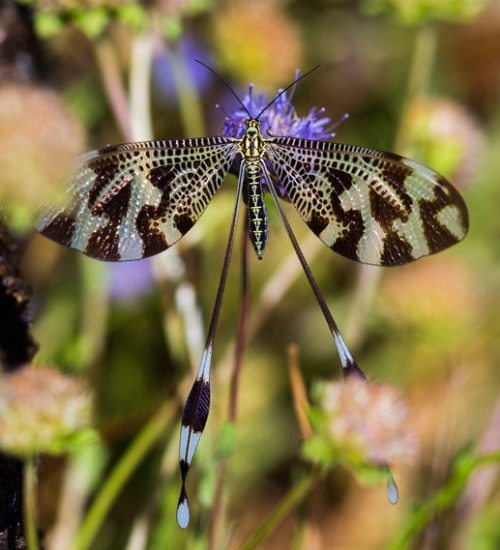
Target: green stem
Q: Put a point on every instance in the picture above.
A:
(188, 98)
(421, 68)
(442, 500)
(95, 309)
(113, 85)
(113, 485)
(294, 497)
(30, 531)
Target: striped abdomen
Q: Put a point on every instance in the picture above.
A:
(258, 226)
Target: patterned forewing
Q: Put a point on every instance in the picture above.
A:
(370, 206)
(135, 200)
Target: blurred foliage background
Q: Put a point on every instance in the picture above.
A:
(417, 77)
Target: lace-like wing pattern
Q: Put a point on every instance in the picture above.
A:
(370, 206)
(135, 200)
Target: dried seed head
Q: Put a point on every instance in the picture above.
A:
(39, 142)
(41, 410)
(365, 423)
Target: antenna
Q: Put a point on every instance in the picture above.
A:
(241, 102)
(225, 84)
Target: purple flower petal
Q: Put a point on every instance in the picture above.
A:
(130, 279)
(279, 119)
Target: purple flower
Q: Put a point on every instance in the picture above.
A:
(130, 279)
(280, 119)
